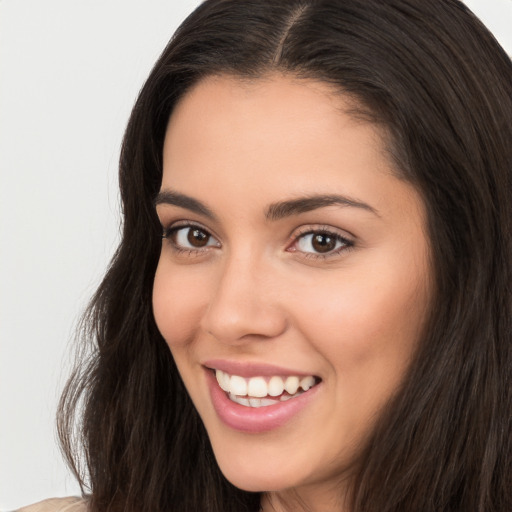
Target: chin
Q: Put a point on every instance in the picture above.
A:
(257, 480)
(259, 471)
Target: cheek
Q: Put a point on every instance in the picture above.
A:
(177, 306)
(367, 321)
(368, 334)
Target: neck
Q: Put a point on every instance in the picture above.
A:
(293, 501)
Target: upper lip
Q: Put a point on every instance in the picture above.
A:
(251, 369)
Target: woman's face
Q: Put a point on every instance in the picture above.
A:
(292, 256)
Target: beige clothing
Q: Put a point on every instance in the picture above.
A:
(57, 505)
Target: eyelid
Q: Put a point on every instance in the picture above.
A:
(174, 226)
(348, 241)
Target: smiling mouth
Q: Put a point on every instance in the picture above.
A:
(264, 391)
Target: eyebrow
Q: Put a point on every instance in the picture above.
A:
(183, 201)
(274, 212)
(283, 209)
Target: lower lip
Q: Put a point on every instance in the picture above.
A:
(255, 419)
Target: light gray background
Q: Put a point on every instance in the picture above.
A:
(69, 73)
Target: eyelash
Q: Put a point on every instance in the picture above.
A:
(172, 230)
(346, 244)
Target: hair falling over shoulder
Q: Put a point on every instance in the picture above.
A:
(441, 86)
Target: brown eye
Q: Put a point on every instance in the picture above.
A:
(197, 237)
(190, 238)
(323, 242)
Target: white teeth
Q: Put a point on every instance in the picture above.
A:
(239, 400)
(253, 402)
(266, 402)
(257, 388)
(307, 382)
(292, 384)
(223, 380)
(238, 385)
(275, 386)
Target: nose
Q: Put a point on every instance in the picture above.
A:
(244, 304)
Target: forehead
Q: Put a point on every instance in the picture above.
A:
(290, 98)
(225, 114)
(242, 144)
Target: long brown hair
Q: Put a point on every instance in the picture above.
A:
(435, 78)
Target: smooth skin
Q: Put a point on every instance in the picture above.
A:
(340, 291)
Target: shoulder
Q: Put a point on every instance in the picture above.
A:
(57, 505)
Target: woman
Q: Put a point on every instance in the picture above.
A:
(310, 308)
